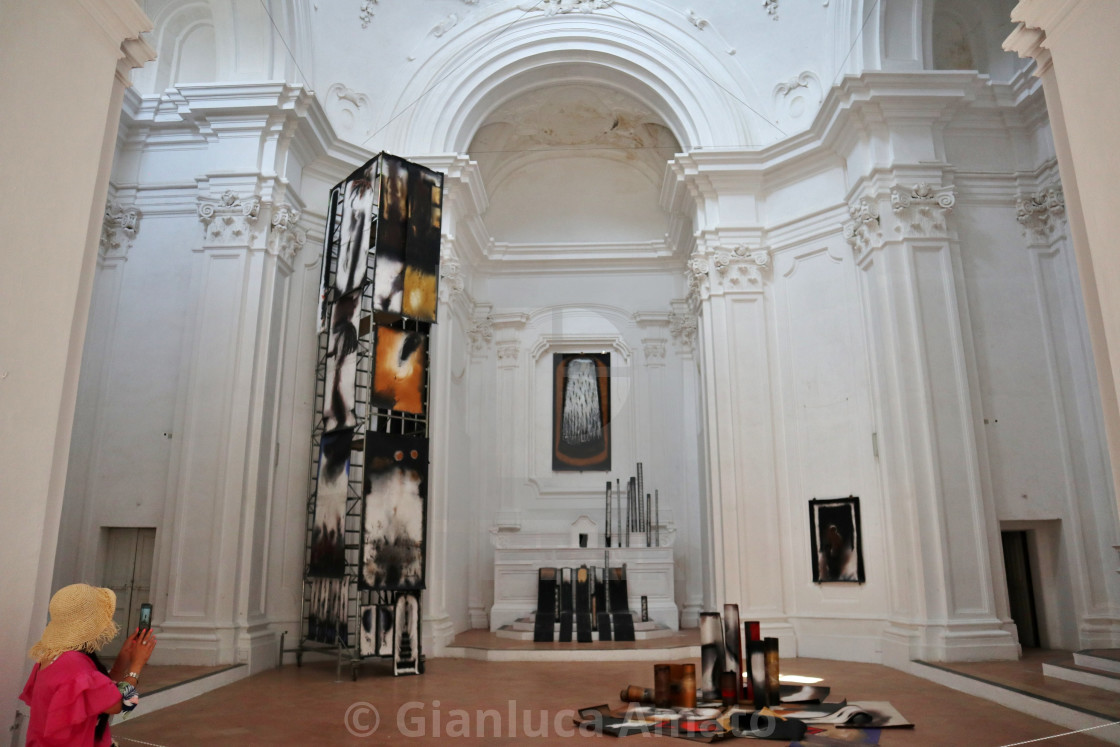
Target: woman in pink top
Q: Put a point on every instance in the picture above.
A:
(70, 692)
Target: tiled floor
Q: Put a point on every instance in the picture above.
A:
(305, 706)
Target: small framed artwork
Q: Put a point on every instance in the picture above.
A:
(837, 540)
(406, 635)
(581, 411)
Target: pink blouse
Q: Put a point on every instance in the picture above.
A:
(66, 698)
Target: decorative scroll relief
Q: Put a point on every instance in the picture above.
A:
(921, 211)
(864, 231)
(229, 220)
(704, 23)
(1042, 212)
(557, 7)
(771, 8)
(684, 327)
(286, 238)
(118, 230)
(365, 12)
(798, 98)
(348, 110)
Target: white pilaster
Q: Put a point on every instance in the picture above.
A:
(211, 563)
(943, 536)
(64, 62)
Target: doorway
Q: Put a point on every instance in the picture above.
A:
(127, 570)
(1020, 587)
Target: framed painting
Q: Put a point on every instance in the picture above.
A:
(581, 409)
(837, 541)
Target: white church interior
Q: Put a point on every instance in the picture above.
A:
(833, 247)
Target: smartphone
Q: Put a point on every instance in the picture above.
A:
(145, 616)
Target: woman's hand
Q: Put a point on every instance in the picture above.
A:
(123, 663)
(144, 642)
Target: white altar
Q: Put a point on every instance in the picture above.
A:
(518, 556)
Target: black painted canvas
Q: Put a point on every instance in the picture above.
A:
(836, 540)
(328, 555)
(342, 363)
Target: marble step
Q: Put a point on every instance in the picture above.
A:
(1090, 673)
(1102, 659)
(527, 623)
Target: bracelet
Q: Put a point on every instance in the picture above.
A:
(134, 675)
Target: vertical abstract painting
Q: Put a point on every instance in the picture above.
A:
(421, 275)
(392, 234)
(834, 529)
(328, 552)
(581, 410)
(358, 208)
(398, 370)
(386, 617)
(326, 619)
(342, 363)
(367, 630)
(393, 512)
(406, 636)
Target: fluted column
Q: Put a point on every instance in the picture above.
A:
(943, 537)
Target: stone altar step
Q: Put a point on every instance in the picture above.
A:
(522, 630)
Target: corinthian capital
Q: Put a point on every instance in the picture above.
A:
(229, 220)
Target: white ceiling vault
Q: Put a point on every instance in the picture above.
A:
(565, 112)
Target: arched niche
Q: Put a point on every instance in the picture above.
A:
(966, 35)
(185, 41)
(586, 161)
(505, 55)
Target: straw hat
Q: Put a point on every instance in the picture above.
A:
(81, 619)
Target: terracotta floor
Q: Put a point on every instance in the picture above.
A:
(307, 706)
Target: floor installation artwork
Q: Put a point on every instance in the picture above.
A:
(516, 703)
